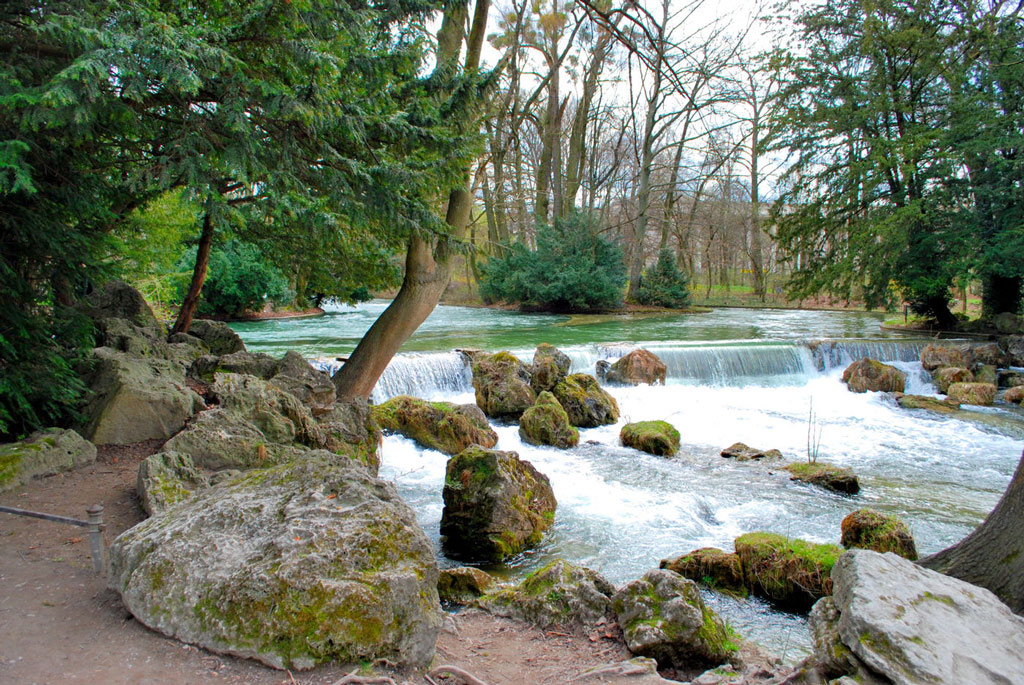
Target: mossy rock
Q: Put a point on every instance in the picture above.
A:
(930, 403)
(546, 423)
(654, 437)
(217, 335)
(550, 365)
(43, 453)
(948, 375)
(712, 567)
(791, 572)
(558, 595)
(663, 616)
(166, 479)
(495, 505)
(502, 385)
(986, 373)
(313, 387)
(442, 426)
(586, 403)
(1014, 395)
(307, 562)
(1010, 378)
(870, 529)
(118, 300)
(938, 356)
(980, 394)
(870, 375)
(742, 452)
(463, 585)
(835, 478)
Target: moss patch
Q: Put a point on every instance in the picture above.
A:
(654, 437)
(836, 478)
(793, 573)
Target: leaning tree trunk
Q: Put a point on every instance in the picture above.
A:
(993, 555)
(195, 287)
(428, 263)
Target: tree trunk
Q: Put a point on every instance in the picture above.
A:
(428, 263)
(993, 555)
(195, 287)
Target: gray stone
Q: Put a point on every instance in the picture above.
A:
(250, 363)
(136, 399)
(307, 562)
(219, 439)
(349, 429)
(310, 386)
(166, 479)
(990, 354)
(913, 625)
(558, 595)
(1014, 346)
(124, 336)
(279, 415)
(43, 453)
(495, 505)
(742, 452)
(663, 616)
(550, 365)
(118, 300)
(219, 337)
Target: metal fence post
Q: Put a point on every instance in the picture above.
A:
(96, 542)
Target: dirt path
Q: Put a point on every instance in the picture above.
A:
(60, 624)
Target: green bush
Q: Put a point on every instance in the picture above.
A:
(665, 285)
(239, 279)
(572, 269)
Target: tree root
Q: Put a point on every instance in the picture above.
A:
(465, 677)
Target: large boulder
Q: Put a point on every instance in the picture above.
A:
(990, 354)
(869, 375)
(654, 437)
(166, 479)
(150, 343)
(258, 364)
(118, 300)
(313, 387)
(586, 403)
(1008, 323)
(639, 366)
(1014, 395)
(547, 423)
(982, 394)
(1014, 346)
(219, 338)
(937, 356)
(914, 626)
(558, 595)
(948, 375)
(349, 429)
(43, 453)
(663, 616)
(1011, 379)
(835, 478)
(710, 566)
(742, 452)
(986, 373)
(870, 529)
(502, 385)
(463, 584)
(219, 439)
(442, 426)
(946, 406)
(278, 414)
(136, 399)
(550, 365)
(791, 572)
(495, 505)
(310, 561)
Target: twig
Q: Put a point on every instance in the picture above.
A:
(467, 678)
(353, 679)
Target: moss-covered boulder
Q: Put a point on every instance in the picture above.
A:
(495, 505)
(870, 529)
(586, 403)
(307, 562)
(136, 399)
(313, 387)
(349, 429)
(280, 416)
(558, 595)
(166, 479)
(742, 452)
(148, 343)
(502, 385)
(639, 366)
(836, 478)
(258, 364)
(550, 365)
(43, 453)
(219, 338)
(219, 439)
(981, 394)
(546, 423)
(712, 567)
(118, 300)
(986, 373)
(990, 354)
(948, 375)
(938, 356)
(870, 375)
(663, 616)
(1014, 395)
(442, 426)
(654, 437)
(1009, 378)
(945, 406)
(791, 572)
(463, 584)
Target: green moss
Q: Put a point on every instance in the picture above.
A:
(1009, 558)
(10, 466)
(654, 437)
(835, 478)
(789, 571)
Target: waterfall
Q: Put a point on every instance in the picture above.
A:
(832, 354)
(418, 374)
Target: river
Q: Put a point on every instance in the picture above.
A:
(742, 375)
